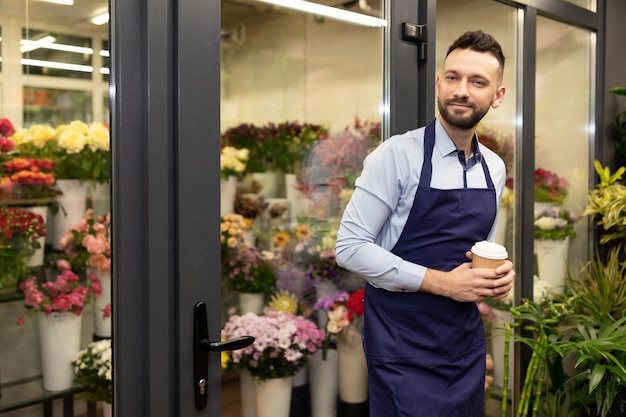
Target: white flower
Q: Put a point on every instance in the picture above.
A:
(546, 223)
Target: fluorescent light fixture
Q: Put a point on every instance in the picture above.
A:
(49, 44)
(101, 19)
(104, 53)
(57, 65)
(330, 12)
(104, 71)
(28, 45)
(63, 2)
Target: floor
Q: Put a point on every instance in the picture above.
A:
(231, 400)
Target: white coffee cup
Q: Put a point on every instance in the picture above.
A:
(488, 255)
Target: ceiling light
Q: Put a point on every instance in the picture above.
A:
(330, 12)
(101, 19)
(63, 2)
(28, 45)
(58, 65)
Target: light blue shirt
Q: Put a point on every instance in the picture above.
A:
(380, 206)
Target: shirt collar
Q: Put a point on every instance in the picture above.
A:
(445, 146)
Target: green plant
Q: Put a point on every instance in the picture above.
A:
(578, 345)
(607, 203)
(620, 126)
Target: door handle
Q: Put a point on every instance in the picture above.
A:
(201, 348)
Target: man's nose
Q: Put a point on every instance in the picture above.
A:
(462, 90)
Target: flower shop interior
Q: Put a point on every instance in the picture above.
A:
(303, 99)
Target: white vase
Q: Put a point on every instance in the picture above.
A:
(298, 202)
(247, 390)
(100, 196)
(271, 182)
(107, 409)
(72, 205)
(102, 326)
(352, 367)
(37, 258)
(497, 348)
(251, 303)
(59, 339)
(324, 384)
(228, 190)
(273, 397)
(552, 262)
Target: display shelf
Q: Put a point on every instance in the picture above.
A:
(29, 392)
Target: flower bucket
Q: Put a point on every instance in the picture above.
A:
(37, 258)
(273, 397)
(251, 303)
(270, 182)
(324, 384)
(59, 339)
(298, 202)
(107, 409)
(73, 203)
(552, 262)
(228, 190)
(352, 367)
(247, 390)
(102, 326)
(100, 196)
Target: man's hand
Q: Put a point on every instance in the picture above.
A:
(468, 284)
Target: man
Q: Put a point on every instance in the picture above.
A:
(422, 200)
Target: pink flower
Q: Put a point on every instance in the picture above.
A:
(107, 311)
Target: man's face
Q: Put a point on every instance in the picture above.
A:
(467, 87)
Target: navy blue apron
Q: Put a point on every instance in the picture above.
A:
(426, 353)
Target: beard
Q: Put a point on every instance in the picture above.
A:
(458, 121)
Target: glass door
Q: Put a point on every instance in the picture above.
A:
(301, 107)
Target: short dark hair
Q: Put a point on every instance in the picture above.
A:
(481, 42)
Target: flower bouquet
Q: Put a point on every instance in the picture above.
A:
(343, 310)
(555, 224)
(80, 150)
(233, 161)
(316, 249)
(88, 244)
(549, 187)
(233, 230)
(249, 270)
(283, 343)
(6, 145)
(93, 368)
(65, 293)
(30, 178)
(19, 233)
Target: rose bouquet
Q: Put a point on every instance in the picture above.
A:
(20, 230)
(555, 224)
(6, 145)
(88, 244)
(93, 368)
(65, 293)
(549, 187)
(30, 178)
(283, 343)
(80, 150)
(249, 270)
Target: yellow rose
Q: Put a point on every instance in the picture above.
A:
(39, 135)
(72, 141)
(98, 137)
